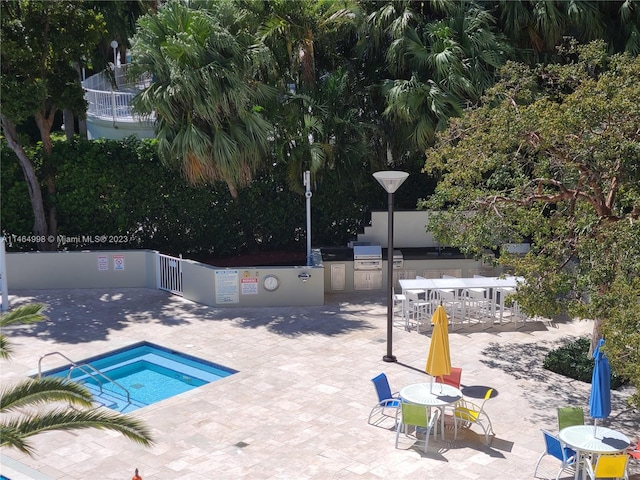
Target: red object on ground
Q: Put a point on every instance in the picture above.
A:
(136, 476)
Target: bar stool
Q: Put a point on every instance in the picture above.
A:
(400, 307)
(418, 309)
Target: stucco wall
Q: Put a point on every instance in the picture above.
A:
(85, 269)
(225, 287)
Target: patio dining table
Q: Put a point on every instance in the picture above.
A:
(589, 439)
(432, 395)
(461, 284)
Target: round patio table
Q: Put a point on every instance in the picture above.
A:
(592, 439)
(431, 394)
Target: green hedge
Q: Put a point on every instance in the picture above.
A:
(572, 360)
(120, 188)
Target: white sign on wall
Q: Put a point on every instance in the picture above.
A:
(227, 290)
(103, 263)
(118, 262)
(249, 286)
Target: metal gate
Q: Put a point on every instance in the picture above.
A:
(169, 273)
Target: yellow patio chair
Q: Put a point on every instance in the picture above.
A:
(417, 416)
(569, 416)
(609, 466)
(468, 413)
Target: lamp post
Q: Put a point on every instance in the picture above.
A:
(114, 45)
(390, 181)
(308, 195)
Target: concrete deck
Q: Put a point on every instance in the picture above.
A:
(299, 405)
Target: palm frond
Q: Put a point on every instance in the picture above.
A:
(25, 314)
(18, 429)
(30, 313)
(42, 391)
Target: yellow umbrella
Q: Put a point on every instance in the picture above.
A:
(439, 359)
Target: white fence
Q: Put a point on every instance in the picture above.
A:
(169, 273)
(109, 95)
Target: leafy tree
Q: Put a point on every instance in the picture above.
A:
(16, 426)
(40, 40)
(552, 157)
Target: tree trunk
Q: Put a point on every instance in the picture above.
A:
(596, 335)
(40, 228)
(82, 127)
(82, 122)
(44, 125)
(69, 124)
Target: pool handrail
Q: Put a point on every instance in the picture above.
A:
(91, 371)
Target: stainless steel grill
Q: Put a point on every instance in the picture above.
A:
(367, 257)
(398, 260)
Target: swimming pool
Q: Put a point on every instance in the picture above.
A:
(139, 375)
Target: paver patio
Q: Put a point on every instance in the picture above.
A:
(299, 405)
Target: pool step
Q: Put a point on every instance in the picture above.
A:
(112, 400)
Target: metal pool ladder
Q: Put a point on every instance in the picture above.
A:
(87, 369)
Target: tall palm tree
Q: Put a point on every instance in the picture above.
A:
(537, 27)
(39, 398)
(207, 92)
(437, 59)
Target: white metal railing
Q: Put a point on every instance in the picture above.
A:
(109, 95)
(86, 368)
(169, 273)
(105, 79)
(115, 106)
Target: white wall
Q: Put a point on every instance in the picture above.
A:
(409, 230)
(82, 269)
(137, 269)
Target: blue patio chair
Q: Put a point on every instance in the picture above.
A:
(387, 401)
(555, 448)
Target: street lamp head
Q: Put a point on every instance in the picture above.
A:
(390, 180)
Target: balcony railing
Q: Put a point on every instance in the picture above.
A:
(109, 94)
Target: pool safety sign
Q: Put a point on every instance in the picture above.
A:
(227, 290)
(103, 263)
(118, 262)
(249, 286)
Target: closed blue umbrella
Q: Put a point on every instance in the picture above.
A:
(600, 399)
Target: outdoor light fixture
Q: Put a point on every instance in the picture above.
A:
(390, 181)
(304, 276)
(114, 45)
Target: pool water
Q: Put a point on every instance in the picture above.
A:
(140, 375)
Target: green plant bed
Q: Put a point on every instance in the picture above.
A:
(572, 360)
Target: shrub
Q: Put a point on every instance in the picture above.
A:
(572, 360)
